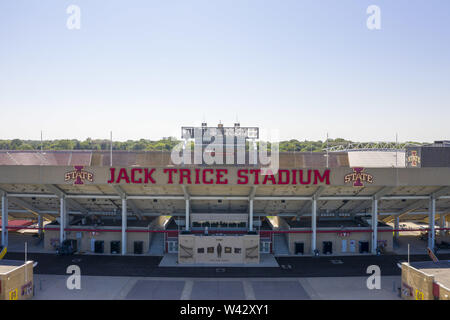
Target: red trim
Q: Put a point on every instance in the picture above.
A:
(271, 243)
(166, 245)
(263, 233)
(17, 223)
(436, 290)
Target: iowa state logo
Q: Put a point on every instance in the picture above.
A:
(79, 176)
(358, 177)
(414, 159)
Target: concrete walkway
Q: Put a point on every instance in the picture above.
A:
(416, 246)
(266, 260)
(17, 243)
(149, 288)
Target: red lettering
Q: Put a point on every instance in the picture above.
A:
(301, 177)
(242, 176)
(219, 175)
(123, 175)
(112, 172)
(322, 178)
(170, 171)
(185, 173)
(269, 177)
(294, 176)
(280, 176)
(133, 175)
(197, 176)
(204, 176)
(256, 173)
(148, 176)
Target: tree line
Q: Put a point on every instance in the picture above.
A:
(164, 144)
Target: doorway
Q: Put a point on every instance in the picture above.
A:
(327, 247)
(352, 246)
(364, 247)
(265, 247)
(344, 245)
(172, 246)
(299, 248)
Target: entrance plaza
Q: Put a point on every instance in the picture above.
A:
(136, 288)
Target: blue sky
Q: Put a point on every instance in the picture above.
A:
(144, 68)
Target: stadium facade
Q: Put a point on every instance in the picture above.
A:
(126, 202)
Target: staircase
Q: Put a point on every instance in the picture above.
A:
(157, 244)
(280, 245)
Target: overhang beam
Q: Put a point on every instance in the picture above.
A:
(133, 206)
(315, 195)
(382, 192)
(413, 206)
(71, 202)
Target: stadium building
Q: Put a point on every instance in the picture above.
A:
(338, 202)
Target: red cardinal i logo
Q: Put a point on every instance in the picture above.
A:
(358, 177)
(79, 175)
(414, 159)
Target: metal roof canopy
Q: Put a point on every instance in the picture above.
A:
(268, 199)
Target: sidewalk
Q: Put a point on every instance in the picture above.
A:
(148, 288)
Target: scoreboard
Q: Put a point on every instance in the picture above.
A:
(236, 131)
